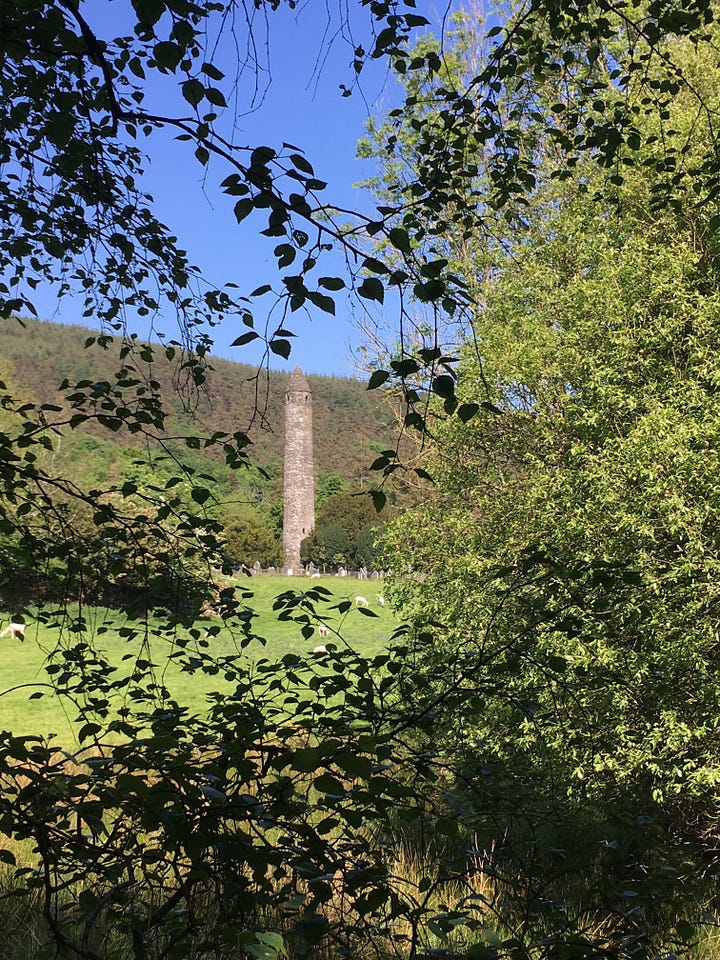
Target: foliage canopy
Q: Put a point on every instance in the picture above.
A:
(567, 555)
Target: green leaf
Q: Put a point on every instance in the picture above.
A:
(326, 304)
(353, 765)
(136, 67)
(167, 55)
(273, 940)
(200, 494)
(430, 291)
(302, 164)
(466, 411)
(406, 367)
(245, 338)
(377, 379)
(215, 96)
(331, 283)
(371, 901)
(243, 208)
(261, 950)
(193, 91)
(400, 240)
(424, 475)
(372, 289)
(285, 253)
(374, 265)
(444, 386)
(329, 785)
(306, 759)
(87, 731)
(261, 156)
(281, 347)
(210, 70)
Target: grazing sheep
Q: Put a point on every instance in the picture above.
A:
(381, 601)
(320, 649)
(14, 630)
(314, 576)
(361, 602)
(323, 630)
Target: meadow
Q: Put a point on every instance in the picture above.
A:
(29, 705)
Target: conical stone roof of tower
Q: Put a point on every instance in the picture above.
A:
(298, 382)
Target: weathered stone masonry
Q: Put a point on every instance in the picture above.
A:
(299, 483)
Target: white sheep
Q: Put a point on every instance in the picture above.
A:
(381, 601)
(314, 576)
(320, 649)
(323, 630)
(361, 602)
(14, 630)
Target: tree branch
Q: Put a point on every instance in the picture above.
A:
(97, 56)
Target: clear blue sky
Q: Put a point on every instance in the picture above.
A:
(299, 107)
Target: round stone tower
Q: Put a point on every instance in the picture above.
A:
(299, 484)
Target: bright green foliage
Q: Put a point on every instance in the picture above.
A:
(327, 485)
(573, 545)
(249, 540)
(567, 562)
(556, 92)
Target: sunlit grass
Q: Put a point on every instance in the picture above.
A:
(28, 703)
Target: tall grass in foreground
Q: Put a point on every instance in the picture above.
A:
(435, 881)
(424, 930)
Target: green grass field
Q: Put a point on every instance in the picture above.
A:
(22, 667)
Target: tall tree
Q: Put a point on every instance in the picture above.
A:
(569, 553)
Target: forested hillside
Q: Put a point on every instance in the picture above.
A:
(350, 424)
